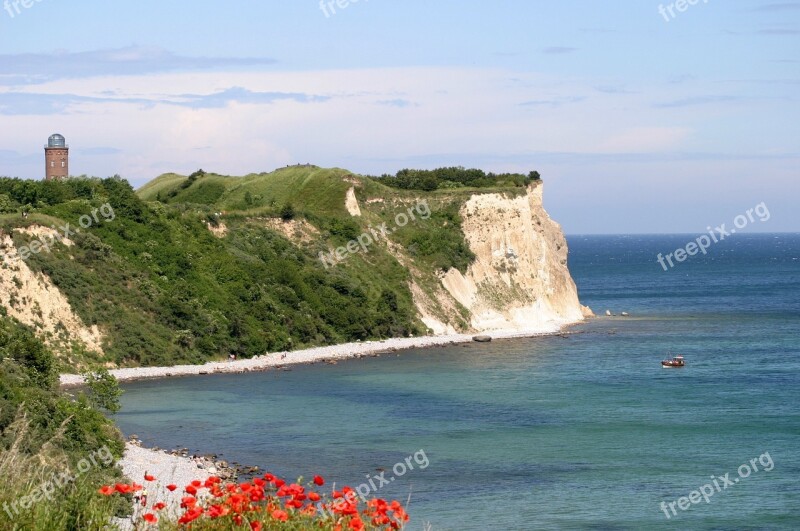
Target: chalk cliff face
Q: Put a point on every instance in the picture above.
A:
(34, 300)
(519, 280)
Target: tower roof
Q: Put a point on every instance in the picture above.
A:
(56, 141)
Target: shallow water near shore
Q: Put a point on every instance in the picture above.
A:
(575, 432)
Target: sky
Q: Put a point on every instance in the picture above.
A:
(642, 116)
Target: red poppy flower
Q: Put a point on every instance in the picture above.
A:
(294, 503)
(218, 511)
(106, 490)
(150, 518)
(189, 502)
(172, 488)
(191, 515)
(314, 497)
(280, 515)
(149, 477)
(255, 526)
(159, 506)
(191, 490)
(319, 481)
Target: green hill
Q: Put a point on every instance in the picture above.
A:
(197, 267)
(317, 190)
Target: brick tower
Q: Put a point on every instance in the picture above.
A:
(56, 157)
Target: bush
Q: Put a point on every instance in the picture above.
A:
(455, 177)
(287, 212)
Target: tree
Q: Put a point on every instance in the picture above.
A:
(21, 345)
(6, 205)
(104, 391)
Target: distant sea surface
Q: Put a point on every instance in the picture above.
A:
(585, 431)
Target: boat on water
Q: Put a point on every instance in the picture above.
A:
(674, 363)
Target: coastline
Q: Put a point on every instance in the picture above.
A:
(331, 353)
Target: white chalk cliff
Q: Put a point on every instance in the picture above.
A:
(519, 279)
(33, 299)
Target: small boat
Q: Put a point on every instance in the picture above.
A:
(675, 363)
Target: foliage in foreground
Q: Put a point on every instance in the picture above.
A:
(54, 448)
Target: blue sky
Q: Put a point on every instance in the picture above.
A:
(639, 121)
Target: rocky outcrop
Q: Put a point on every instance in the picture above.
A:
(519, 279)
(34, 300)
(299, 231)
(351, 203)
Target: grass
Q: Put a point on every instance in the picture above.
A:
(39, 492)
(315, 190)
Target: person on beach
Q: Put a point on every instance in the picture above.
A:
(144, 498)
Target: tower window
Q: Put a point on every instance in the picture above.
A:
(52, 164)
(63, 164)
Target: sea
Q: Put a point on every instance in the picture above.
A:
(583, 430)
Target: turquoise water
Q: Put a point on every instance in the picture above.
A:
(577, 432)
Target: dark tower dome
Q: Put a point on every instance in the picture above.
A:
(56, 141)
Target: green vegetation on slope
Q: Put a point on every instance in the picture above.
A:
(54, 449)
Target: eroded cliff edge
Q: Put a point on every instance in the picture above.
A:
(519, 279)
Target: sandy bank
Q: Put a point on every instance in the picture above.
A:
(312, 355)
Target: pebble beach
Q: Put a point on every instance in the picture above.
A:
(313, 355)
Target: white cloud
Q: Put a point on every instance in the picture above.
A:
(237, 122)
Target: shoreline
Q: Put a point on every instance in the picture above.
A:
(331, 353)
